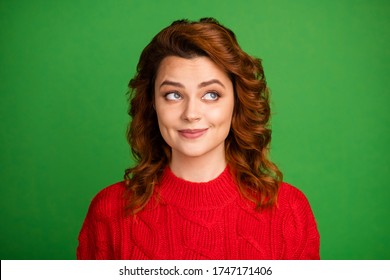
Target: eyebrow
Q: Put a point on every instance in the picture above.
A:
(170, 83)
(202, 84)
(213, 81)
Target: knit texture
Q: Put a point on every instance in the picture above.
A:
(187, 220)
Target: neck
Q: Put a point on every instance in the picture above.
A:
(199, 169)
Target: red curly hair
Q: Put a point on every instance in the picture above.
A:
(246, 146)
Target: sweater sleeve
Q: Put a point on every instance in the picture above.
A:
(95, 235)
(301, 236)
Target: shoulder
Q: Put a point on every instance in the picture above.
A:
(111, 192)
(109, 200)
(298, 225)
(294, 209)
(290, 197)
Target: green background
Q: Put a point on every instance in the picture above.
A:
(64, 69)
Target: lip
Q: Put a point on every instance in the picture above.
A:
(192, 133)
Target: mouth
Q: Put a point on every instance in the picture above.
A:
(192, 133)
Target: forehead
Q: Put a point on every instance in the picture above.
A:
(194, 69)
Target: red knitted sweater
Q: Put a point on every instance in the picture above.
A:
(186, 220)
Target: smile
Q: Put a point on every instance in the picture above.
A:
(192, 133)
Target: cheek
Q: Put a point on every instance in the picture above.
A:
(165, 117)
(221, 116)
(162, 123)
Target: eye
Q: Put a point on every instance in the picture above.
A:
(211, 96)
(173, 96)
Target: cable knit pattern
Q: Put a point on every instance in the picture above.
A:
(186, 220)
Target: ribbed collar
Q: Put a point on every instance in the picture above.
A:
(198, 196)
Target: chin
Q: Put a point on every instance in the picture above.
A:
(193, 154)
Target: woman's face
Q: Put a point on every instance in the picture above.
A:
(194, 101)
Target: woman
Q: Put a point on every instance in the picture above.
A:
(203, 186)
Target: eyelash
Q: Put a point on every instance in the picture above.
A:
(212, 92)
(171, 92)
(209, 92)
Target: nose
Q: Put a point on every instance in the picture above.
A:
(191, 111)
